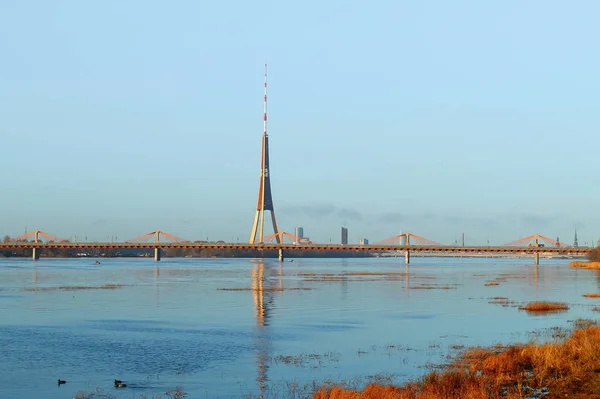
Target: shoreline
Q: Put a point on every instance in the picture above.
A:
(567, 366)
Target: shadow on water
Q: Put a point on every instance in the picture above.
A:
(262, 282)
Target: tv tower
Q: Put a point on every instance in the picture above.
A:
(575, 243)
(265, 200)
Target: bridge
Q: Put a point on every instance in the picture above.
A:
(533, 245)
(158, 240)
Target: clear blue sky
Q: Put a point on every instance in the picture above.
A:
(435, 117)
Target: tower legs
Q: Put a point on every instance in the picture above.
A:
(254, 227)
(258, 226)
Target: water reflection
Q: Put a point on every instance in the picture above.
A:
(537, 280)
(156, 276)
(406, 281)
(263, 303)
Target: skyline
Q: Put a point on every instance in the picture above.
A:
(432, 118)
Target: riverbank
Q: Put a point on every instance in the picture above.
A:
(586, 265)
(567, 367)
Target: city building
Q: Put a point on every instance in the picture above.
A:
(300, 232)
(364, 241)
(344, 236)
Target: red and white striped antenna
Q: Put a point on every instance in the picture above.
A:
(265, 117)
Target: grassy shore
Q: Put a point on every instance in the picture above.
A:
(568, 367)
(586, 265)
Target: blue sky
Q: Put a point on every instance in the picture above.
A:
(435, 117)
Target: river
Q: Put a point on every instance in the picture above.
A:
(230, 328)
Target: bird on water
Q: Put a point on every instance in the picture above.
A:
(60, 382)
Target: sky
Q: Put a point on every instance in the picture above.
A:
(432, 117)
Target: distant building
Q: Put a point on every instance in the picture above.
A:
(344, 236)
(364, 241)
(300, 232)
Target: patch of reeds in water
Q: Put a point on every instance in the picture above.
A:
(76, 287)
(492, 284)
(402, 274)
(172, 393)
(265, 289)
(568, 367)
(585, 265)
(352, 276)
(502, 300)
(592, 295)
(311, 360)
(433, 287)
(544, 307)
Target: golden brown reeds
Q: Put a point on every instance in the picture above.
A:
(586, 265)
(492, 284)
(266, 289)
(592, 295)
(544, 306)
(568, 367)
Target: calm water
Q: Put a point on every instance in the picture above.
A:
(175, 325)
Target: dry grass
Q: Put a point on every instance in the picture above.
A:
(267, 289)
(492, 284)
(432, 287)
(352, 276)
(311, 360)
(544, 306)
(586, 265)
(76, 287)
(568, 367)
(173, 393)
(376, 274)
(592, 295)
(502, 300)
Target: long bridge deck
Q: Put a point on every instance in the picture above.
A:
(287, 247)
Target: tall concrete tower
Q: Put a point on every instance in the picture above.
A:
(265, 200)
(575, 243)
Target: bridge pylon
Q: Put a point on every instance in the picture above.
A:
(403, 241)
(279, 236)
(155, 236)
(38, 237)
(536, 241)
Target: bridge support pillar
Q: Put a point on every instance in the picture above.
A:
(407, 257)
(281, 255)
(536, 258)
(35, 253)
(157, 254)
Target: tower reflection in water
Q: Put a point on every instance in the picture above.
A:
(265, 280)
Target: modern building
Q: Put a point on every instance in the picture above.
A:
(344, 236)
(364, 241)
(300, 232)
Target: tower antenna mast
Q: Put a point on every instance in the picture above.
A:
(265, 199)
